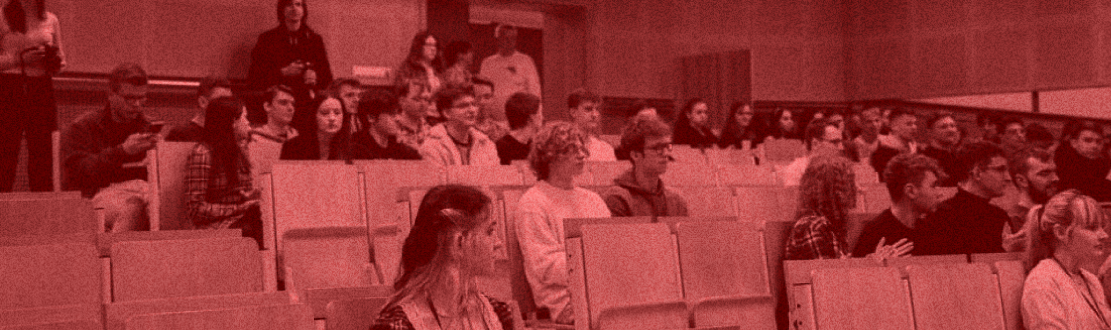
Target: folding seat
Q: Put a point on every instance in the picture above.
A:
(49, 283)
(1010, 274)
(117, 313)
(185, 268)
(690, 175)
(720, 158)
(330, 263)
(353, 314)
(761, 204)
(725, 274)
(601, 173)
(47, 216)
(709, 201)
(955, 296)
(860, 298)
(167, 179)
(782, 150)
(484, 176)
(271, 317)
(310, 194)
(799, 284)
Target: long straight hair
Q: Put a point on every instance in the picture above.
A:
(219, 136)
(17, 16)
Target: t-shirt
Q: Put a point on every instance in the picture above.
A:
(509, 149)
(600, 151)
(884, 226)
(510, 74)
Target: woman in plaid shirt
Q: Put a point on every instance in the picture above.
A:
(219, 191)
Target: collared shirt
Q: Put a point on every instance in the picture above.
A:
(813, 237)
(212, 201)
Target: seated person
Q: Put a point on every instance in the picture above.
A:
(558, 155)
(279, 106)
(331, 140)
(904, 125)
(210, 89)
(912, 181)
(349, 91)
(584, 106)
(822, 138)
(1035, 178)
(740, 130)
(491, 121)
(640, 192)
(98, 145)
(523, 112)
(1060, 292)
(944, 138)
(415, 97)
(1080, 163)
(968, 223)
(693, 126)
(454, 241)
(220, 193)
(456, 141)
(378, 111)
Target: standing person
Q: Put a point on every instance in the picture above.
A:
(1059, 292)
(219, 191)
(557, 156)
(291, 54)
(912, 182)
(904, 125)
(968, 223)
(525, 120)
(98, 144)
(453, 243)
(459, 57)
(944, 137)
(1080, 163)
(211, 88)
(30, 53)
(693, 128)
(739, 132)
(424, 64)
(331, 140)
(827, 192)
(456, 141)
(510, 71)
(584, 106)
(378, 111)
(640, 192)
(1035, 176)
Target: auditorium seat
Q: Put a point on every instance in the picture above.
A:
(865, 174)
(720, 158)
(860, 299)
(117, 313)
(105, 240)
(681, 174)
(799, 281)
(992, 258)
(1011, 275)
(56, 213)
(484, 176)
(761, 204)
(49, 283)
(708, 201)
(315, 194)
(185, 268)
(329, 259)
(527, 174)
(759, 176)
(724, 272)
(263, 153)
(612, 254)
(873, 199)
(271, 317)
(601, 173)
(50, 317)
(686, 154)
(56, 159)
(167, 179)
(353, 314)
(63, 325)
(902, 263)
(955, 296)
(782, 151)
(518, 283)
(388, 219)
(37, 195)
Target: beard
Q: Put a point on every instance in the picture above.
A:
(1041, 196)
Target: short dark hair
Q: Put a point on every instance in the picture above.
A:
(897, 112)
(637, 107)
(974, 155)
(405, 86)
(519, 107)
(446, 96)
(634, 138)
(908, 168)
(1073, 129)
(273, 91)
(479, 81)
(1037, 133)
(938, 116)
(1018, 164)
(126, 73)
(375, 102)
(985, 118)
(816, 130)
(210, 83)
(336, 84)
(580, 96)
(454, 50)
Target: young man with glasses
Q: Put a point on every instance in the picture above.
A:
(822, 137)
(968, 222)
(98, 145)
(640, 192)
(456, 141)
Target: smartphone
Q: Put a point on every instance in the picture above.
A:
(156, 127)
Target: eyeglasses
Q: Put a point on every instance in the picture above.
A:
(658, 148)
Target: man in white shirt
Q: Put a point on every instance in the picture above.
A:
(509, 70)
(583, 106)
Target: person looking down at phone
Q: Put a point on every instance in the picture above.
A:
(30, 52)
(291, 54)
(101, 148)
(219, 191)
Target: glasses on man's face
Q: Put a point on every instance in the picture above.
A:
(658, 148)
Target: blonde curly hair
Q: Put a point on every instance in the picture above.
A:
(556, 138)
(828, 189)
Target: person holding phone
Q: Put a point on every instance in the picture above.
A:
(219, 192)
(30, 52)
(100, 148)
(291, 54)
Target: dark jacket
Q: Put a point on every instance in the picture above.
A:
(964, 224)
(697, 138)
(91, 154)
(628, 199)
(305, 147)
(278, 47)
(367, 148)
(1079, 172)
(946, 160)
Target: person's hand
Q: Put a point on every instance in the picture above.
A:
(310, 77)
(899, 249)
(139, 142)
(34, 55)
(296, 68)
